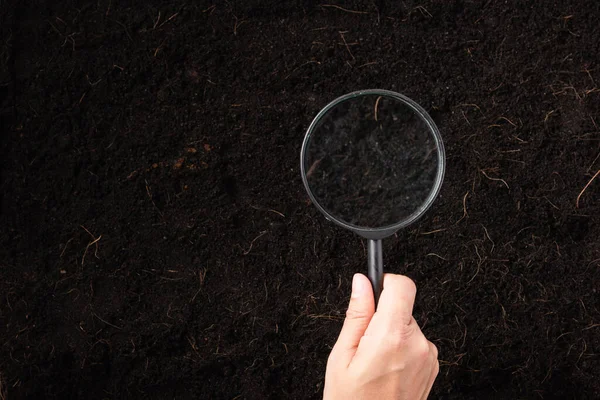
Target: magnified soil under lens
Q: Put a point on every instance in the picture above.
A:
(371, 161)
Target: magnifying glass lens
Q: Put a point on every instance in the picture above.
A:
(371, 161)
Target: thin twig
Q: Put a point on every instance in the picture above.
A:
(312, 168)
(494, 179)
(65, 248)
(125, 28)
(246, 252)
(489, 238)
(157, 21)
(170, 18)
(376, 105)
(201, 277)
(509, 121)
(347, 47)
(423, 11)
(106, 322)
(149, 193)
(436, 255)
(586, 186)
(95, 241)
(88, 246)
(432, 232)
(269, 209)
(593, 162)
(591, 327)
(369, 63)
(343, 9)
(276, 212)
(465, 214)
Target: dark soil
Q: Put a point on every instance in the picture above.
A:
(156, 240)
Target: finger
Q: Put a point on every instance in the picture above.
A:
(435, 369)
(359, 314)
(397, 298)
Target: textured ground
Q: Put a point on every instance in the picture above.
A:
(156, 240)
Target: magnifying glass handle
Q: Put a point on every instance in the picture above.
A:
(376, 267)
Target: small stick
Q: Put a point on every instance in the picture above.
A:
(423, 11)
(276, 212)
(377, 104)
(436, 255)
(238, 23)
(347, 47)
(95, 241)
(465, 214)
(106, 322)
(312, 168)
(88, 246)
(593, 162)
(465, 117)
(432, 232)
(157, 21)
(548, 114)
(369, 63)
(170, 18)
(489, 238)
(268, 209)
(494, 179)
(201, 277)
(65, 248)
(343, 9)
(246, 252)
(149, 192)
(125, 28)
(586, 186)
(590, 327)
(159, 48)
(470, 105)
(509, 121)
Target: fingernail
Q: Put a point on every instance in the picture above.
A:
(358, 286)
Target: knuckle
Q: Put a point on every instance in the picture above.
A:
(422, 349)
(410, 330)
(354, 313)
(409, 284)
(401, 283)
(397, 337)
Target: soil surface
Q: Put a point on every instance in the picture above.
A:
(156, 240)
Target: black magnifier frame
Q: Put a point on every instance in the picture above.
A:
(375, 235)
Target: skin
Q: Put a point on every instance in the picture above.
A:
(381, 355)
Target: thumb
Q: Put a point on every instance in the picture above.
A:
(359, 314)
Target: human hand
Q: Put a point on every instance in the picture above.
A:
(381, 355)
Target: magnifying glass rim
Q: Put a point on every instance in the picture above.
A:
(388, 229)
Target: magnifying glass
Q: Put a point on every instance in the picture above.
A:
(373, 162)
